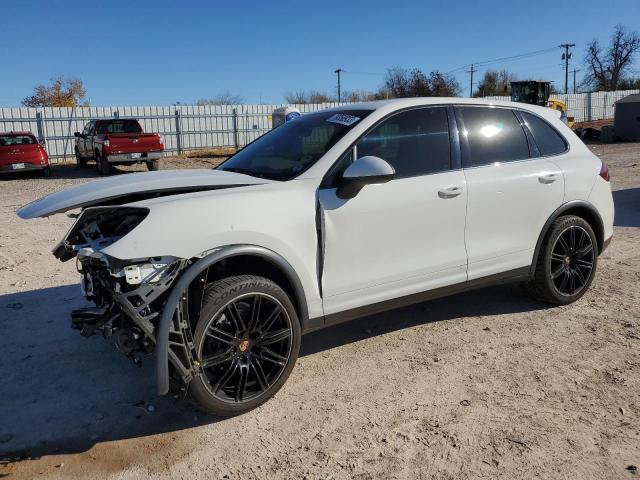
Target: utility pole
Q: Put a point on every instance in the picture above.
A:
(566, 56)
(471, 71)
(338, 71)
(574, 78)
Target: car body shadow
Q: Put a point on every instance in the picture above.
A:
(63, 393)
(627, 205)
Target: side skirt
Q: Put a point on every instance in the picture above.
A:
(516, 275)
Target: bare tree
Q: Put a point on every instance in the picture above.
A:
(319, 97)
(359, 96)
(224, 98)
(606, 67)
(495, 82)
(62, 92)
(400, 83)
(443, 85)
(298, 97)
(313, 96)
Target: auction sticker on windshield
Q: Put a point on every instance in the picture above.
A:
(343, 119)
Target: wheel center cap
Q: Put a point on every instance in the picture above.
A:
(567, 260)
(243, 345)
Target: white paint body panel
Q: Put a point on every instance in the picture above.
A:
(279, 216)
(120, 185)
(392, 240)
(507, 207)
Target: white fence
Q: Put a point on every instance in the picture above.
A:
(184, 127)
(191, 127)
(588, 106)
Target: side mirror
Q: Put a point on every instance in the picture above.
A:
(42, 141)
(367, 170)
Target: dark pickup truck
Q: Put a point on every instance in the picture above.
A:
(117, 142)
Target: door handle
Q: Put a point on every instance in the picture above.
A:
(548, 177)
(450, 192)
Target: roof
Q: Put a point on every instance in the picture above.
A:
(633, 98)
(398, 103)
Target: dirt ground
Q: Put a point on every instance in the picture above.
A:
(487, 384)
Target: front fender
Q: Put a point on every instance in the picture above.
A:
(191, 273)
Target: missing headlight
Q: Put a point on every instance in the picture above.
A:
(97, 228)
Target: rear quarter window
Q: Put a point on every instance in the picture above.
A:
(549, 141)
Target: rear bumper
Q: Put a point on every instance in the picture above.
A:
(28, 167)
(132, 157)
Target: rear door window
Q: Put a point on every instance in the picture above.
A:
(549, 141)
(494, 135)
(414, 142)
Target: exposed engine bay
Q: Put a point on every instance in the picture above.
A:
(128, 295)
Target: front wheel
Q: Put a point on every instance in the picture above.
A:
(247, 341)
(80, 162)
(566, 263)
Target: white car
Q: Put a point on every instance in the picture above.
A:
(332, 216)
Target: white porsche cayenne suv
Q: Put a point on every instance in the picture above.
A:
(332, 216)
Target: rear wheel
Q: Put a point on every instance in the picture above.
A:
(80, 162)
(152, 165)
(247, 341)
(104, 167)
(46, 172)
(566, 263)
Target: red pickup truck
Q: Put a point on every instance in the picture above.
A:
(117, 142)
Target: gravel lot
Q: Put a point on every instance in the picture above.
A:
(487, 384)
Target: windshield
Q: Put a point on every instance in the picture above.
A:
(290, 149)
(118, 126)
(12, 140)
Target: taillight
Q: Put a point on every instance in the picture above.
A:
(161, 141)
(604, 171)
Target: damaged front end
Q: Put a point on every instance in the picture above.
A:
(129, 295)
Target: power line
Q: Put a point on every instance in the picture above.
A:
(504, 59)
(351, 72)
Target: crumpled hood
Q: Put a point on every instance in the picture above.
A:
(131, 187)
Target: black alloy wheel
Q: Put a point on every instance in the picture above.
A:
(572, 259)
(566, 263)
(247, 341)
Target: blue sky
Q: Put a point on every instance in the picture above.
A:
(161, 52)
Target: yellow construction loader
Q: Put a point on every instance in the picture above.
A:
(536, 92)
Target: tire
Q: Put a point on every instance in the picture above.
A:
(80, 162)
(104, 167)
(46, 172)
(566, 263)
(152, 165)
(244, 359)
